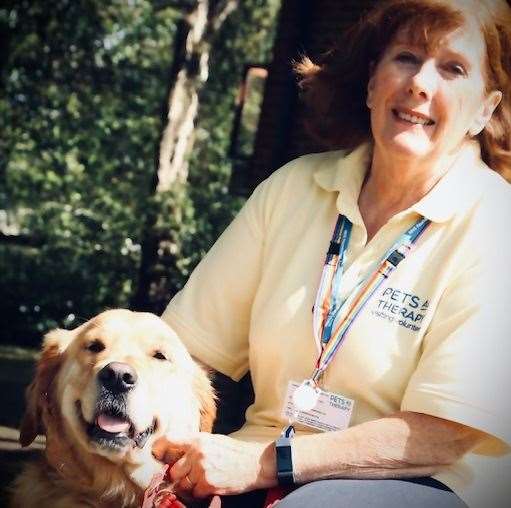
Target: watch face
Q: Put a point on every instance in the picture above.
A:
(284, 464)
(284, 457)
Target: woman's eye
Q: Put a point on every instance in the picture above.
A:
(95, 346)
(159, 355)
(456, 68)
(407, 57)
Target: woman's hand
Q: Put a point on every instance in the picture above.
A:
(215, 464)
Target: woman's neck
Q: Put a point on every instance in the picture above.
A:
(393, 185)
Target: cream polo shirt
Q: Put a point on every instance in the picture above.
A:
(434, 339)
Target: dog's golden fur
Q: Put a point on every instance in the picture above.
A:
(172, 397)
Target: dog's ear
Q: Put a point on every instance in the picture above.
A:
(39, 393)
(207, 399)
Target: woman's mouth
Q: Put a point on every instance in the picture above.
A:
(414, 119)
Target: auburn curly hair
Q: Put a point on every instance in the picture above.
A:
(334, 88)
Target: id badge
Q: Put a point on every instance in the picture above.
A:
(331, 411)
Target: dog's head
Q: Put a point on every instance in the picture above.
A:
(114, 385)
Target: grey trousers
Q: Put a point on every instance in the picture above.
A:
(412, 493)
(418, 493)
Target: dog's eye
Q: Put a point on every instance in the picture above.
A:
(159, 355)
(95, 346)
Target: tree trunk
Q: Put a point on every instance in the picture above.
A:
(204, 21)
(189, 73)
(183, 102)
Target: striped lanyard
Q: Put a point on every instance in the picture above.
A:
(333, 317)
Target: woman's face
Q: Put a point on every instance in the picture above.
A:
(425, 104)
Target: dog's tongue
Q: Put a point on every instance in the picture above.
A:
(112, 424)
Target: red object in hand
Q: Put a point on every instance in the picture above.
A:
(153, 492)
(170, 501)
(156, 497)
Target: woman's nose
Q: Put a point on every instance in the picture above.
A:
(423, 83)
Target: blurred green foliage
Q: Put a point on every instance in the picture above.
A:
(83, 85)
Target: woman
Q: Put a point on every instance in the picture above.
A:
(408, 338)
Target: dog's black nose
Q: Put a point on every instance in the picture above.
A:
(118, 377)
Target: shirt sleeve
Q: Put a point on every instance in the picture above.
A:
(464, 373)
(211, 314)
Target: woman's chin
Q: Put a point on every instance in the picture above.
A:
(409, 146)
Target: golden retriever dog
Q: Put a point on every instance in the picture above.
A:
(102, 394)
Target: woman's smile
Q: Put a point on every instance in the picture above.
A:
(412, 117)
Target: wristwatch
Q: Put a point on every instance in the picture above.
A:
(284, 457)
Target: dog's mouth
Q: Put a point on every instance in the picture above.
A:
(113, 429)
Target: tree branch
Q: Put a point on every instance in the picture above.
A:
(220, 11)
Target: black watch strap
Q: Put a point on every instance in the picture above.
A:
(284, 457)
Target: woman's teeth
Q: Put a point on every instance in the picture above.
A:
(413, 119)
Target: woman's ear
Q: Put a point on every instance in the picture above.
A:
(485, 113)
(39, 393)
(370, 86)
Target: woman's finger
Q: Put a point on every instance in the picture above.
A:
(186, 484)
(180, 469)
(169, 451)
(215, 502)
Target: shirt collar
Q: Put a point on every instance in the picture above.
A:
(346, 175)
(456, 191)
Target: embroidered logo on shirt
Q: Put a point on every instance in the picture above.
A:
(400, 307)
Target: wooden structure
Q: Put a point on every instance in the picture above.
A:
(304, 27)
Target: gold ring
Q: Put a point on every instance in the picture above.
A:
(189, 482)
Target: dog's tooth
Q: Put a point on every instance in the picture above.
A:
(141, 439)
